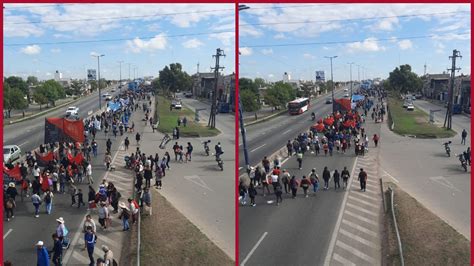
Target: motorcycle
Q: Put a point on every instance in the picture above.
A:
(220, 162)
(447, 148)
(206, 147)
(463, 162)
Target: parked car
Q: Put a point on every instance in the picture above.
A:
(405, 104)
(346, 95)
(410, 107)
(178, 105)
(72, 111)
(346, 89)
(328, 100)
(188, 94)
(11, 153)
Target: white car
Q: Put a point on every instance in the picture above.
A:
(346, 95)
(410, 107)
(11, 153)
(72, 111)
(112, 90)
(107, 96)
(346, 89)
(178, 105)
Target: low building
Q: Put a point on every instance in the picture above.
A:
(435, 86)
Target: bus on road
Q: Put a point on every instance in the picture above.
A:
(298, 106)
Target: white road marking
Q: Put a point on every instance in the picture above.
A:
(362, 218)
(359, 239)
(389, 175)
(356, 252)
(361, 209)
(343, 260)
(22, 143)
(286, 132)
(258, 148)
(7, 233)
(253, 249)
(360, 228)
(444, 182)
(198, 181)
(339, 220)
(363, 202)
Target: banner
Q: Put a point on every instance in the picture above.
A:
(77, 159)
(63, 130)
(342, 105)
(114, 106)
(14, 173)
(43, 160)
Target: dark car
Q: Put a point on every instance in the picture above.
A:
(328, 101)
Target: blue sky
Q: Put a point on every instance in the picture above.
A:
(205, 27)
(360, 28)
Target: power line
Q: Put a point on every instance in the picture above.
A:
(32, 6)
(119, 17)
(114, 40)
(355, 41)
(353, 19)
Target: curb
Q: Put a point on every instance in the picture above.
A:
(265, 118)
(41, 113)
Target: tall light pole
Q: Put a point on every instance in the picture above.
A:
(134, 73)
(98, 80)
(332, 80)
(120, 81)
(241, 121)
(350, 66)
(358, 74)
(129, 71)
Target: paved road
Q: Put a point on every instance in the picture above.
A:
(22, 232)
(266, 137)
(421, 168)
(29, 134)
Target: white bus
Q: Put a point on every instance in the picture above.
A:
(298, 106)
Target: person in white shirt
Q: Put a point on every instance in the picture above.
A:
(89, 173)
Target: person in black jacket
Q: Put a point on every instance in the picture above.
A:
(345, 176)
(326, 177)
(252, 193)
(336, 176)
(57, 250)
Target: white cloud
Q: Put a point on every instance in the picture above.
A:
(55, 50)
(48, 74)
(267, 51)
(13, 28)
(440, 48)
(368, 45)
(193, 43)
(245, 51)
(405, 44)
(308, 56)
(279, 36)
(271, 75)
(386, 24)
(326, 48)
(31, 49)
(137, 45)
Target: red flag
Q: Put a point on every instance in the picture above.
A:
(48, 157)
(69, 157)
(14, 173)
(79, 158)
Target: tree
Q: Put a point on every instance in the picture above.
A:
(259, 83)
(306, 89)
(93, 84)
(155, 84)
(13, 98)
(18, 83)
(174, 79)
(279, 95)
(248, 84)
(52, 90)
(32, 81)
(39, 98)
(249, 101)
(403, 80)
(76, 87)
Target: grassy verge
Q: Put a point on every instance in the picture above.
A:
(168, 238)
(169, 120)
(426, 239)
(415, 122)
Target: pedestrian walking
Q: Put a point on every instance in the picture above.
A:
(107, 161)
(89, 243)
(124, 216)
(463, 136)
(363, 179)
(345, 177)
(326, 177)
(242, 193)
(336, 177)
(80, 198)
(36, 200)
(252, 194)
(126, 142)
(48, 200)
(289, 147)
(42, 255)
(90, 179)
(134, 209)
(314, 179)
(146, 201)
(278, 193)
(305, 183)
(57, 251)
(108, 256)
(137, 138)
(89, 222)
(285, 178)
(103, 215)
(294, 186)
(9, 208)
(266, 164)
(189, 150)
(375, 138)
(299, 158)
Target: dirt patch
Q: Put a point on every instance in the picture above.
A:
(168, 238)
(426, 239)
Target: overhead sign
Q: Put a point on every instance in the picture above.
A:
(91, 74)
(320, 76)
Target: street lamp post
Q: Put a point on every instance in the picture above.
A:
(98, 80)
(332, 80)
(241, 121)
(120, 81)
(350, 66)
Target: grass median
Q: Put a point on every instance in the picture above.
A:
(169, 120)
(168, 238)
(426, 239)
(415, 123)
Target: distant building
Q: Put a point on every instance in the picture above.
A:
(58, 76)
(286, 77)
(204, 85)
(436, 86)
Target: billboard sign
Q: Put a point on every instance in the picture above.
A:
(320, 76)
(91, 74)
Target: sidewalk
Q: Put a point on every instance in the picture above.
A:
(123, 179)
(357, 237)
(199, 189)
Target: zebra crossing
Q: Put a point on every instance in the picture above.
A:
(113, 237)
(358, 237)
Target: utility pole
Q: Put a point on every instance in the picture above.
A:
(198, 68)
(241, 120)
(212, 117)
(332, 81)
(424, 71)
(98, 80)
(120, 81)
(350, 67)
(129, 64)
(449, 111)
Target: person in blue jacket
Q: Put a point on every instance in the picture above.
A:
(42, 254)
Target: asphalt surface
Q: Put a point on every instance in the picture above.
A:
(422, 168)
(298, 232)
(266, 137)
(29, 134)
(22, 232)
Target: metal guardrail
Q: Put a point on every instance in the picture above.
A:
(400, 249)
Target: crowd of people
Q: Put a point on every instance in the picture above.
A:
(336, 133)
